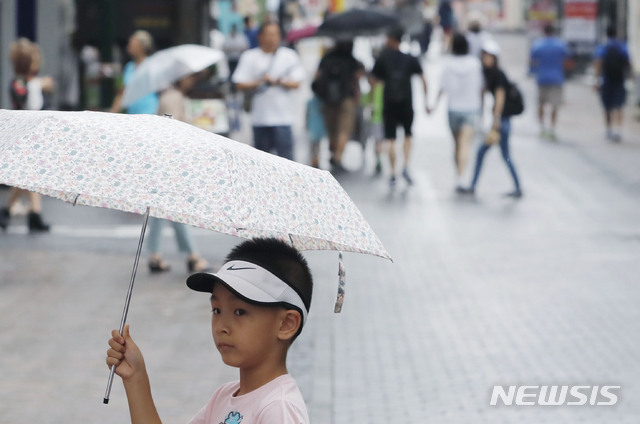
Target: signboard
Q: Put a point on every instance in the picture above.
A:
(579, 27)
(580, 20)
(540, 14)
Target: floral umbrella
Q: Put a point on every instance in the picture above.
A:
(161, 167)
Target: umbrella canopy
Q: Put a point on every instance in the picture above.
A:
(357, 22)
(300, 33)
(167, 66)
(181, 173)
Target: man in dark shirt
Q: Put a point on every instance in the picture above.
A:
(395, 69)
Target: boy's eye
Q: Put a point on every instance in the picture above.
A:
(215, 311)
(239, 312)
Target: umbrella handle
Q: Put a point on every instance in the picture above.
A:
(127, 301)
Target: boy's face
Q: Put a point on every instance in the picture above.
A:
(243, 333)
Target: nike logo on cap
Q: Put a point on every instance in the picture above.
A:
(235, 268)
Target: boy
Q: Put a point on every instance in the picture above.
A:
(260, 299)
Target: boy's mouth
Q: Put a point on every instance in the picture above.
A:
(224, 346)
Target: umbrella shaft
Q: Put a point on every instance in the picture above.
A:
(127, 301)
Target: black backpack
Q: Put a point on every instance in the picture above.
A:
(334, 83)
(513, 102)
(615, 64)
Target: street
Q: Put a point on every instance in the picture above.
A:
(483, 291)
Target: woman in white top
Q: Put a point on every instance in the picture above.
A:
(462, 82)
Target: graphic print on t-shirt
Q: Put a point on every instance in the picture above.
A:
(234, 417)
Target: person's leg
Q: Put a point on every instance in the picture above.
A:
(346, 124)
(407, 123)
(478, 167)
(541, 102)
(34, 218)
(153, 235)
(389, 112)
(261, 137)
(183, 239)
(282, 137)
(505, 130)
(330, 117)
(463, 146)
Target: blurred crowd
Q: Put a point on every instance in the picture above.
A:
(262, 71)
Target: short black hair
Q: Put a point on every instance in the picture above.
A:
(281, 259)
(395, 33)
(549, 29)
(611, 31)
(459, 45)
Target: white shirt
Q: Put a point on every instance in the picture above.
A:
(277, 402)
(273, 105)
(462, 81)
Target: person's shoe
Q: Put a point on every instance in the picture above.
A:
(392, 182)
(378, 170)
(36, 224)
(616, 138)
(407, 177)
(197, 265)
(4, 218)
(157, 266)
(516, 194)
(337, 168)
(466, 190)
(551, 135)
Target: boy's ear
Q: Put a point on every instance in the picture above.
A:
(289, 324)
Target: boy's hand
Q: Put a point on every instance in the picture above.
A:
(125, 355)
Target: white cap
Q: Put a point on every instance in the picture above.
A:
(251, 283)
(490, 46)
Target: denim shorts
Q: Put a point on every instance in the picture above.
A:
(459, 119)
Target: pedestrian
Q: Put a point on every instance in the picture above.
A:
(497, 84)
(548, 58)
(395, 69)
(424, 38)
(374, 102)
(139, 47)
(251, 31)
(476, 36)
(447, 20)
(260, 299)
(462, 82)
(612, 67)
(268, 74)
(234, 45)
(316, 130)
(26, 93)
(336, 83)
(172, 102)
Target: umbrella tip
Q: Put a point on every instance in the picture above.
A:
(105, 400)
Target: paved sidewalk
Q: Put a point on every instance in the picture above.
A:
(482, 292)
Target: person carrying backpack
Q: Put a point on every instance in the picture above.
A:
(336, 85)
(507, 103)
(612, 67)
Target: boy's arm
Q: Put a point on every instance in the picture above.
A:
(129, 362)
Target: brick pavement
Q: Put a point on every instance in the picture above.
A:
(482, 292)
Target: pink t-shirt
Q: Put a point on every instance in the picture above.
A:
(278, 401)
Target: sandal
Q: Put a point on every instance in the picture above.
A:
(197, 265)
(157, 266)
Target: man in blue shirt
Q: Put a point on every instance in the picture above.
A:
(612, 67)
(548, 56)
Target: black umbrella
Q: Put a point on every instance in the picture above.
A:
(357, 22)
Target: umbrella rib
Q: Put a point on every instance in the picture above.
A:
(76, 199)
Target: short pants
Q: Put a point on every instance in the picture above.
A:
(613, 95)
(395, 114)
(459, 119)
(550, 94)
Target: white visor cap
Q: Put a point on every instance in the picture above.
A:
(250, 282)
